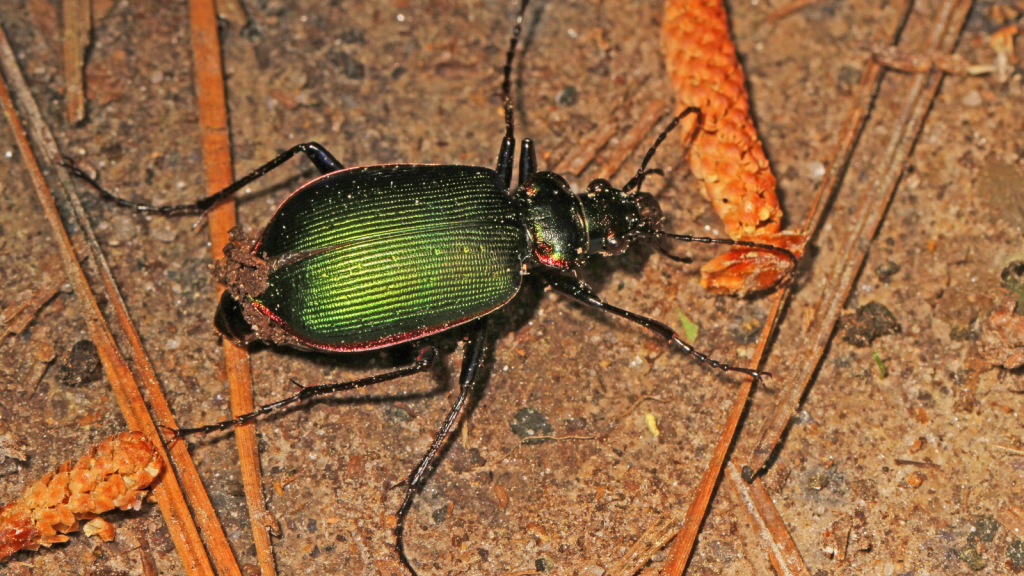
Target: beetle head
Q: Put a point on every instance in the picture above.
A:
(616, 218)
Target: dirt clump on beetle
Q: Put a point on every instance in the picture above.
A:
(246, 276)
(244, 273)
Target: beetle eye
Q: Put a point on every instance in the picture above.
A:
(650, 210)
(598, 185)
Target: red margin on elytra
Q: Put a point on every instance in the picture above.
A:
(371, 344)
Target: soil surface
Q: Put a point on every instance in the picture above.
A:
(921, 464)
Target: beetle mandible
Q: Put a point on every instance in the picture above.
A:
(371, 257)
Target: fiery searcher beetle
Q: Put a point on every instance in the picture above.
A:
(371, 257)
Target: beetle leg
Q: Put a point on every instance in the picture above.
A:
(324, 161)
(506, 155)
(424, 360)
(579, 291)
(507, 152)
(472, 360)
(527, 160)
(317, 154)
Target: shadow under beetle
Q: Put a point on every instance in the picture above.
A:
(374, 256)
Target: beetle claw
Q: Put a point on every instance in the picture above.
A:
(175, 434)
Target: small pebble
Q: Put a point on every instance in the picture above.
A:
(971, 557)
(1015, 552)
(871, 321)
(815, 171)
(529, 422)
(914, 480)
(818, 481)
(80, 365)
(568, 96)
(972, 99)
(887, 270)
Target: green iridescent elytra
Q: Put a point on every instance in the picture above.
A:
(371, 256)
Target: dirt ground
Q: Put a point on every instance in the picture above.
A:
(922, 463)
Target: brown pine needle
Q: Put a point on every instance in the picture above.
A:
(167, 491)
(870, 80)
(213, 122)
(618, 155)
(866, 223)
(646, 546)
(765, 518)
(77, 16)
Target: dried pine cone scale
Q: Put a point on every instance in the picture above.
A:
(113, 474)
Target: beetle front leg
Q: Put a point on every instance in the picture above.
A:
(579, 291)
(472, 361)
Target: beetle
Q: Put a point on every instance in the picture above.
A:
(371, 257)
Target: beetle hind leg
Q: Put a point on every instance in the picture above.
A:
(472, 361)
(424, 360)
(324, 161)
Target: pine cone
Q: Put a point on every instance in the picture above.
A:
(113, 474)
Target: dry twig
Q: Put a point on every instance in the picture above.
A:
(634, 137)
(77, 16)
(787, 9)
(652, 540)
(870, 80)
(769, 525)
(16, 317)
(592, 143)
(1012, 518)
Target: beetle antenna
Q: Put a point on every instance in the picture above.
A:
(687, 238)
(638, 180)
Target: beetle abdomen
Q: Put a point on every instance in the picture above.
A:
(372, 256)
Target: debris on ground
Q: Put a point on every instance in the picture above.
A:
(871, 321)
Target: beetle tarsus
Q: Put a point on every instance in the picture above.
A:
(704, 240)
(174, 434)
